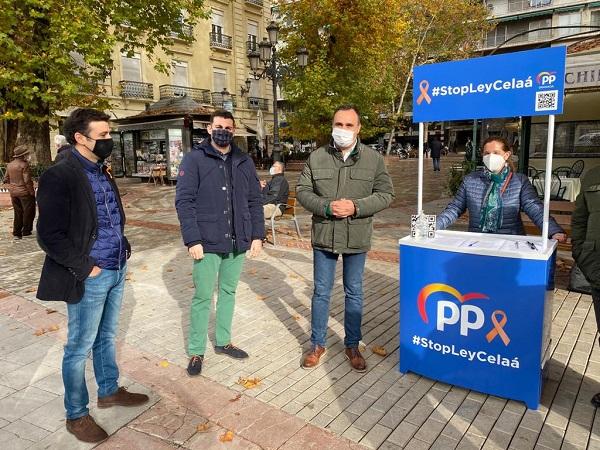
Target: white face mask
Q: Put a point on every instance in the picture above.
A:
(495, 163)
(343, 138)
(272, 171)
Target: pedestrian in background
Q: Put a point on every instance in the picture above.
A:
(220, 209)
(586, 240)
(343, 185)
(22, 193)
(436, 152)
(61, 145)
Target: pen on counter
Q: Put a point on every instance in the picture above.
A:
(531, 245)
(473, 243)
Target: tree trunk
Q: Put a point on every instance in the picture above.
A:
(37, 137)
(9, 138)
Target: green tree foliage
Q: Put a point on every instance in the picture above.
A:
(55, 54)
(364, 53)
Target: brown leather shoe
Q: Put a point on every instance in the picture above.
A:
(122, 398)
(356, 359)
(312, 358)
(86, 429)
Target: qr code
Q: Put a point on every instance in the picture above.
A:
(546, 101)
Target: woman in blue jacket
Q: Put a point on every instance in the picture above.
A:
(496, 196)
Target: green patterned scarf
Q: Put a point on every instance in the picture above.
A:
(491, 210)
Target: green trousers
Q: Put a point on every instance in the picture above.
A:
(226, 268)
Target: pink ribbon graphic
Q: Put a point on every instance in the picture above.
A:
(424, 87)
(498, 328)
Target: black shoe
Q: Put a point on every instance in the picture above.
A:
(195, 365)
(596, 400)
(231, 350)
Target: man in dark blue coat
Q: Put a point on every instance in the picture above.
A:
(81, 229)
(219, 205)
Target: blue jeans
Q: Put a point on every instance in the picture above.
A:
(324, 275)
(93, 324)
(436, 164)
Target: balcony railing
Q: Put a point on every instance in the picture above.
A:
(524, 5)
(255, 2)
(217, 100)
(251, 46)
(258, 103)
(186, 32)
(218, 40)
(136, 89)
(198, 95)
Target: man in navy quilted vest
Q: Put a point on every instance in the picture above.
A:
(81, 229)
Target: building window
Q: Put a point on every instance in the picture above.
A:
(131, 67)
(219, 80)
(254, 88)
(180, 73)
(570, 139)
(595, 20)
(568, 19)
(252, 36)
(217, 21)
(540, 35)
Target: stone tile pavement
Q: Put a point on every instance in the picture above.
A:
(329, 407)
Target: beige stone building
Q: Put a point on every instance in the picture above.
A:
(155, 123)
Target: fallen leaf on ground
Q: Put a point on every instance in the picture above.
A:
(50, 311)
(378, 350)
(169, 270)
(296, 317)
(129, 276)
(163, 363)
(54, 328)
(266, 278)
(144, 268)
(248, 383)
(362, 347)
(40, 331)
(227, 436)
(261, 297)
(31, 290)
(252, 272)
(236, 398)
(203, 427)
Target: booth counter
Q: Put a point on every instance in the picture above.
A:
(475, 311)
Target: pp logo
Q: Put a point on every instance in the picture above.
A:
(469, 317)
(545, 78)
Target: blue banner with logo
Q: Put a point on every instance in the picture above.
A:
(529, 83)
(476, 321)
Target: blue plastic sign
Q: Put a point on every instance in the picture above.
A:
(529, 83)
(484, 328)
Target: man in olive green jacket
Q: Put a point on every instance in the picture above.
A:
(343, 184)
(586, 239)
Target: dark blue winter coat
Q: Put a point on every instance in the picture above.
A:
(108, 250)
(519, 196)
(203, 206)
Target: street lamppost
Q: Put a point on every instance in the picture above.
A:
(272, 70)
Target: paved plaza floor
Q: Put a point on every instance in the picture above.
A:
(287, 407)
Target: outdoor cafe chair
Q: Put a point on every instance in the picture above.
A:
(577, 168)
(557, 191)
(563, 171)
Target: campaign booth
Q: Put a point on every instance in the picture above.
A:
(475, 309)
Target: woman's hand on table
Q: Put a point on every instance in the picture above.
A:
(560, 237)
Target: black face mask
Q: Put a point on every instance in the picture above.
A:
(103, 147)
(221, 137)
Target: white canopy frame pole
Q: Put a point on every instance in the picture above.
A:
(421, 148)
(548, 181)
